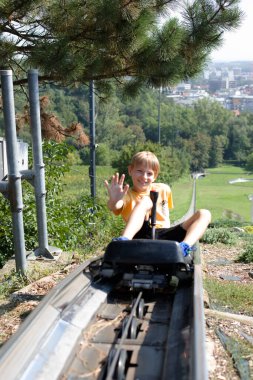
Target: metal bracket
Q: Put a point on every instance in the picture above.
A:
(49, 253)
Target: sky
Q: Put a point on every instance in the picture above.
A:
(237, 45)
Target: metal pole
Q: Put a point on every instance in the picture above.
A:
(38, 165)
(39, 169)
(14, 176)
(92, 168)
(159, 116)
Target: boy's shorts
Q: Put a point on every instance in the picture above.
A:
(176, 233)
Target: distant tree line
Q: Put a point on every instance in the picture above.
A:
(203, 135)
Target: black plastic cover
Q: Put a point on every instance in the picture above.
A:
(144, 252)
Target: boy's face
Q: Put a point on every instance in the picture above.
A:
(142, 177)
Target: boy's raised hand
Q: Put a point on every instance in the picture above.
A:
(116, 189)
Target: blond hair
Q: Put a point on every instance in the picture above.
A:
(146, 158)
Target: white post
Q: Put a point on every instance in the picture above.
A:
(251, 214)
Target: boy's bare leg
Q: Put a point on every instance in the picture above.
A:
(196, 226)
(137, 217)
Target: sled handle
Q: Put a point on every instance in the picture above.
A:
(154, 197)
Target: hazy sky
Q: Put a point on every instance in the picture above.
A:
(237, 45)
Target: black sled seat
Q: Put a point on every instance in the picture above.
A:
(144, 252)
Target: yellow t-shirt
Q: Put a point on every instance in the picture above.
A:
(164, 204)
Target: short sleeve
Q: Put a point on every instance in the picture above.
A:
(169, 197)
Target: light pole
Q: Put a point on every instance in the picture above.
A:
(92, 168)
(250, 197)
(159, 116)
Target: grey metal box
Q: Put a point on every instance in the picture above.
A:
(22, 157)
(3, 159)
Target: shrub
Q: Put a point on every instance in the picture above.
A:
(247, 255)
(12, 282)
(74, 158)
(104, 155)
(219, 235)
(226, 223)
(249, 163)
(70, 225)
(59, 216)
(248, 229)
(85, 155)
(6, 235)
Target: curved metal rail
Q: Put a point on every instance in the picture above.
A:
(87, 329)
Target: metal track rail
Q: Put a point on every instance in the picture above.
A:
(86, 329)
(125, 344)
(81, 325)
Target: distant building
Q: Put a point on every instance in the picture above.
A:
(215, 84)
(240, 103)
(229, 83)
(181, 87)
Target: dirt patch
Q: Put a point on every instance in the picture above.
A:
(219, 261)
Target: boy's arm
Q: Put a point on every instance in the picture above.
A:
(116, 191)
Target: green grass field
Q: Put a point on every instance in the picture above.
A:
(223, 199)
(213, 191)
(77, 181)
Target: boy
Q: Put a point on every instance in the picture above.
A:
(134, 205)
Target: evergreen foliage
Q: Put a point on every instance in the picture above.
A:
(78, 41)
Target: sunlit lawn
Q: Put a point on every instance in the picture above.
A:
(222, 198)
(77, 182)
(213, 191)
(228, 295)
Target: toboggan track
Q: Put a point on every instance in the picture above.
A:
(94, 325)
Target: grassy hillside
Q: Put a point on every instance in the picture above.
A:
(77, 181)
(223, 199)
(213, 192)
